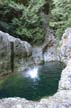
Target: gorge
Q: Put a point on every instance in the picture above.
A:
(62, 98)
(35, 53)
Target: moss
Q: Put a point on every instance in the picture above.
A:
(42, 62)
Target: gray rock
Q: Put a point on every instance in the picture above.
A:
(20, 50)
(48, 51)
(24, 54)
(51, 54)
(65, 49)
(37, 55)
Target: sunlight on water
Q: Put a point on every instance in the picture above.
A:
(33, 73)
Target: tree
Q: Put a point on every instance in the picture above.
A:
(61, 16)
(23, 20)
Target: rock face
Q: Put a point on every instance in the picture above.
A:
(66, 46)
(15, 53)
(50, 47)
(12, 52)
(65, 82)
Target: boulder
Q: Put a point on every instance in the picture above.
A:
(65, 49)
(50, 51)
(65, 82)
(12, 52)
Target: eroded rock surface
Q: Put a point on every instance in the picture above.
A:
(11, 47)
(66, 46)
(50, 47)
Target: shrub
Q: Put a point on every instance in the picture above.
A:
(22, 20)
(61, 16)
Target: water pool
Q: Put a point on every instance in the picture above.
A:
(34, 83)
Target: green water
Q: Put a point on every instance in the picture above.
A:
(44, 82)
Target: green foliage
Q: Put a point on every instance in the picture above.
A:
(23, 21)
(61, 16)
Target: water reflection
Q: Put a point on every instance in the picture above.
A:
(33, 73)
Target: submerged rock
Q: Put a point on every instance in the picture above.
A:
(51, 54)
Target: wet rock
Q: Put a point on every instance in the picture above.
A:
(49, 48)
(37, 55)
(12, 48)
(48, 51)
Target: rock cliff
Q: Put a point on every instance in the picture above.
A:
(12, 52)
(62, 99)
(16, 55)
(65, 49)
